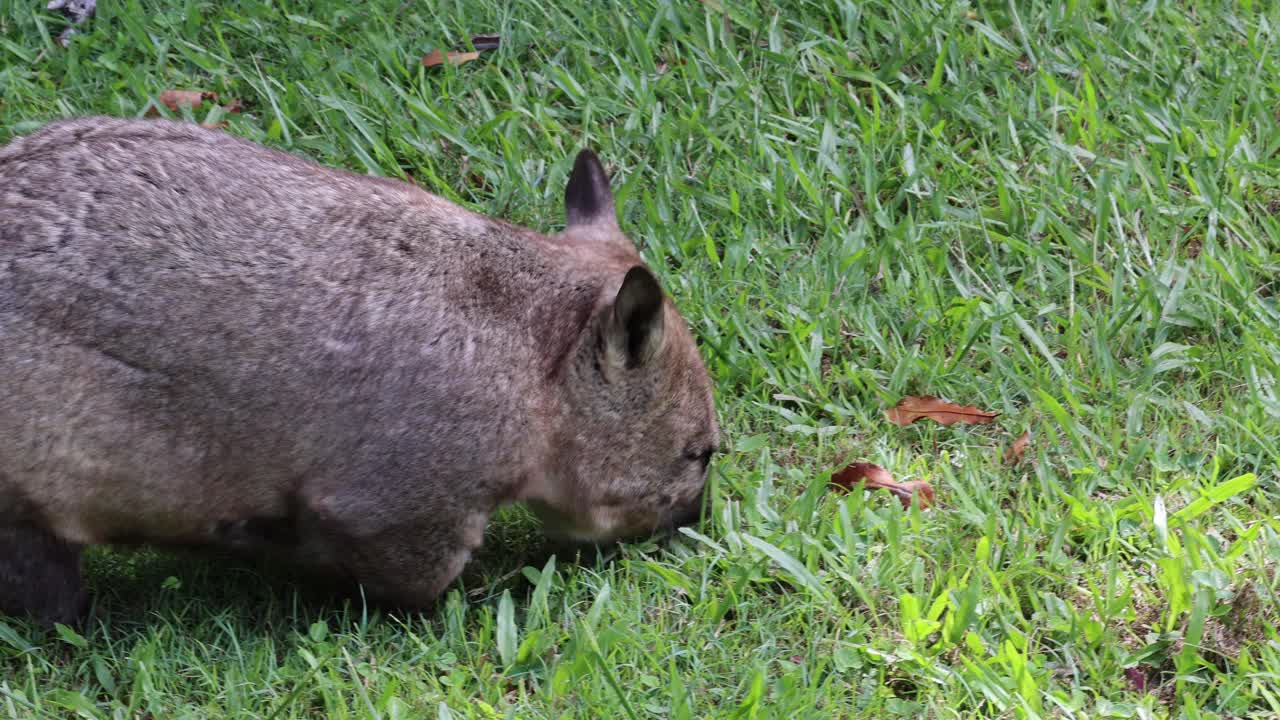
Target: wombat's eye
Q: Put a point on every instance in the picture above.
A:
(701, 457)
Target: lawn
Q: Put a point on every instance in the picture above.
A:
(1063, 212)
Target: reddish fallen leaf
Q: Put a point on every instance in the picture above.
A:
(910, 409)
(1137, 678)
(175, 100)
(874, 477)
(1019, 446)
(435, 57)
(870, 473)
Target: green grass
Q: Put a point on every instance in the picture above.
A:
(1065, 212)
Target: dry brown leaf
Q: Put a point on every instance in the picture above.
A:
(663, 65)
(175, 99)
(910, 409)
(1019, 446)
(220, 125)
(874, 477)
(435, 57)
(194, 99)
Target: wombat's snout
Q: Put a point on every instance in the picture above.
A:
(691, 513)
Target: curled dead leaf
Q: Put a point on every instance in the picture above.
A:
(1019, 446)
(481, 43)
(874, 477)
(911, 408)
(486, 42)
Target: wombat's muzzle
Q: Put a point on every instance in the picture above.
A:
(691, 513)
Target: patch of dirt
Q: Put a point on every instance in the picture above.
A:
(1245, 624)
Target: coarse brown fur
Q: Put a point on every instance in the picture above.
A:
(203, 340)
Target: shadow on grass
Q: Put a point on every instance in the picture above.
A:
(135, 587)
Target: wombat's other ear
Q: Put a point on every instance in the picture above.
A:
(587, 198)
(634, 330)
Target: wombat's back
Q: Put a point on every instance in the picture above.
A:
(204, 197)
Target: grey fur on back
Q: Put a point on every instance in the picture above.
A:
(201, 337)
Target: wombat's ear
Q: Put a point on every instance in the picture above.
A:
(634, 329)
(587, 198)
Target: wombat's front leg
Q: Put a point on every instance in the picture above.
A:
(409, 569)
(405, 566)
(40, 576)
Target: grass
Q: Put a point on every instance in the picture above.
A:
(1065, 212)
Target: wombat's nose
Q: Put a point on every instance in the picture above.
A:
(691, 513)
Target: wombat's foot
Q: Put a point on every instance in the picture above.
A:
(406, 584)
(40, 576)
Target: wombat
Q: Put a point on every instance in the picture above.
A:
(204, 341)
